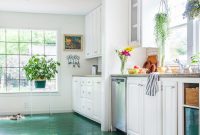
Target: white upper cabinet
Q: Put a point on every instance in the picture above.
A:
(93, 33)
(134, 22)
(141, 29)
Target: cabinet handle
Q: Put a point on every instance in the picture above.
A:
(98, 82)
(140, 85)
(172, 87)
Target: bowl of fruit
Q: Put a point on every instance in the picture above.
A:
(137, 70)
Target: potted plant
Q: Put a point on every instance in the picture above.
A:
(192, 9)
(161, 33)
(39, 69)
(195, 59)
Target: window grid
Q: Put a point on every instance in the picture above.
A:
(18, 54)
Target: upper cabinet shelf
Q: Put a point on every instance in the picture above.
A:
(93, 33)
(141, 22)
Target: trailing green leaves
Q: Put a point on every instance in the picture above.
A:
(38, 68)
(161, 31)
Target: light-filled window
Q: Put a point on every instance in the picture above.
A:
(176, 47)
(16, 47)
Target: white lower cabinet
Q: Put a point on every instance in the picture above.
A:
(87, 97)
(134, 106)
(151, 115)
(152, 123)
(170, 107)
(76, 93)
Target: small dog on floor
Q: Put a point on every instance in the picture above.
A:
(19, 116)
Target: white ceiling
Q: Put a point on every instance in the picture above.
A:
(74, 7)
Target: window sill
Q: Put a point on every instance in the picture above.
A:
(27, 92)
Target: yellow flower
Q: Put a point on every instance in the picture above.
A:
(129, 49)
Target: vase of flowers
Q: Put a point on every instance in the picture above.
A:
(123, 55)
(192, 9)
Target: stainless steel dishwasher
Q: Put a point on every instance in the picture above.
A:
(119, 103)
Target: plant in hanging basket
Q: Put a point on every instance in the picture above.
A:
(192, 9)
(161, 32)
(40, 70)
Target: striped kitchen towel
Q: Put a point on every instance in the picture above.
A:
(152, 84)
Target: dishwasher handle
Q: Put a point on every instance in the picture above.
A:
(119, 80)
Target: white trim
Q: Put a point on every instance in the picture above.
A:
(178, 26)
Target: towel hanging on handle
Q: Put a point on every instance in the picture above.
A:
(152, 84)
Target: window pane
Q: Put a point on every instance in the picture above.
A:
(37, 36)
(12, 73)
(51, 85)
(25, 36)
(25, 85)
(2, 34)
(12, 85)
(25, 48)
(2, 61)
(50, 37)
(38, 49)
(177, 8)
(24, 60)
(2, 48)
(177, 46)
(50, 49)
(12, 48)
(22, 74)
(2, 80)
(12, 60)
(11, 35)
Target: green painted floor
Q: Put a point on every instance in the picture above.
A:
(56, 124)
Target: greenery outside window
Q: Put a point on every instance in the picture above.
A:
(16, 47)
(176, 47)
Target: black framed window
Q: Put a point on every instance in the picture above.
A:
(16, 47)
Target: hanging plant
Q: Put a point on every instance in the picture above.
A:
(192, 9)
(161, 31)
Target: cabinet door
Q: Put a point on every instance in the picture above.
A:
(97, 100)
(93, 33)
(134, 107)
(88, 35)
(134, 22)
(98, 25)
(149, 10)
(76, 94)
(152, 117)
(170, 107)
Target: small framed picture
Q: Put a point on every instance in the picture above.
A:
(73, 42)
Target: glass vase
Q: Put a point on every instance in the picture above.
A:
(122, 66)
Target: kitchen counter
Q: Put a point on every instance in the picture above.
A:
(86, 75)
(196, 75)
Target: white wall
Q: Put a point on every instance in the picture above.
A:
(58, 102)
(115, 36)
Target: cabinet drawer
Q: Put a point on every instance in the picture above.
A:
(83, 106)
(83, 92)
(89, 82)
(89, 108)
(83, 82)
(89, 93)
